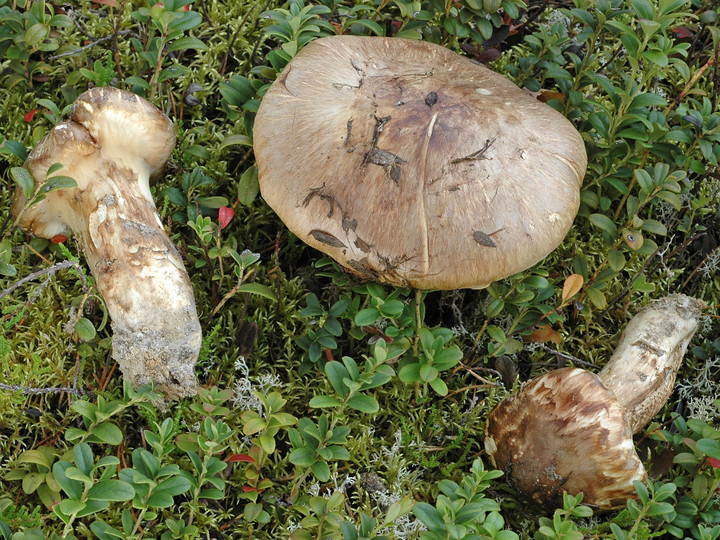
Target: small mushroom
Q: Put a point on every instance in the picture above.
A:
(411, 165)
(112, 144)
(571, 430)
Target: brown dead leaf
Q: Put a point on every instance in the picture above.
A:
(547, 95)
(111, 3)
(543, 334)
(572, 286)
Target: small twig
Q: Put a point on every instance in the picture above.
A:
(47, 271)
(77, 24)
(223, 65)
(564, 356)
(116, 33)
(690, 84)
(698, 267)
(89, 45)
(471, 371)
(716, 78)
(29, 390)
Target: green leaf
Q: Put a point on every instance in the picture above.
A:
(259, 289)
(235, 140)
(337, 372)
(410, 373)
(58, 182)
(160, 500)
(374, 27)
(427, 373)
(657, 57)
(392, 308)
(248, 186)
(24, 179)
(216, 494)
(303, 457)
(254, 425)
(36, 34)
(212, 202)
(41, 456)
(367, 316)
(85, 329)
(321, 471)
(430, 517)
(709, 447)
(363, 403)
(187, 42)
(84, 460)
(111, 490)
(73, 473)
(643, 8)
(319, 402)
(31, 481)
(653, 226)
(267, 442)
(105, 532)
(439, 386)
(604, 223)
(175, 485)
(71, 506)
(107, 433)
(648, 100)
(137, 81)
(616, 260)
(597, 297)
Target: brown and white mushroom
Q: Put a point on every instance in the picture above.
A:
(411, 165)
(112, 144)
(571, 430)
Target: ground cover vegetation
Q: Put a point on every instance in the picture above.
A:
(328, 408)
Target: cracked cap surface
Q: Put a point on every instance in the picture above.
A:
(411, 165)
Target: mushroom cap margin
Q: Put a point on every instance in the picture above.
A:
(123, 123)
(67, 143)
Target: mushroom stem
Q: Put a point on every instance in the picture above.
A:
(641, 373)
(139, 272)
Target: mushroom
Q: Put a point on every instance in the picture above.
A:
(571, 430)
(112, 144)
(412, 165)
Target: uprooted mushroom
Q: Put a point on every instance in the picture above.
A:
(571, 430)
(112, 144)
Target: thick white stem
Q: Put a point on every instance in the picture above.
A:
(641, 373)
(141, 276)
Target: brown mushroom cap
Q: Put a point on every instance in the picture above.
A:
(412, 165)
(565, 431)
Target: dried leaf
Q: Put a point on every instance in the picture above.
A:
(111, 3)
(326, 238)
(225, 215)
(543, 334)
(547, 95)
(483, 239)
(572, 286)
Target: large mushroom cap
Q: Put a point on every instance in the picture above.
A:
(412, 165)
(565, 431)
